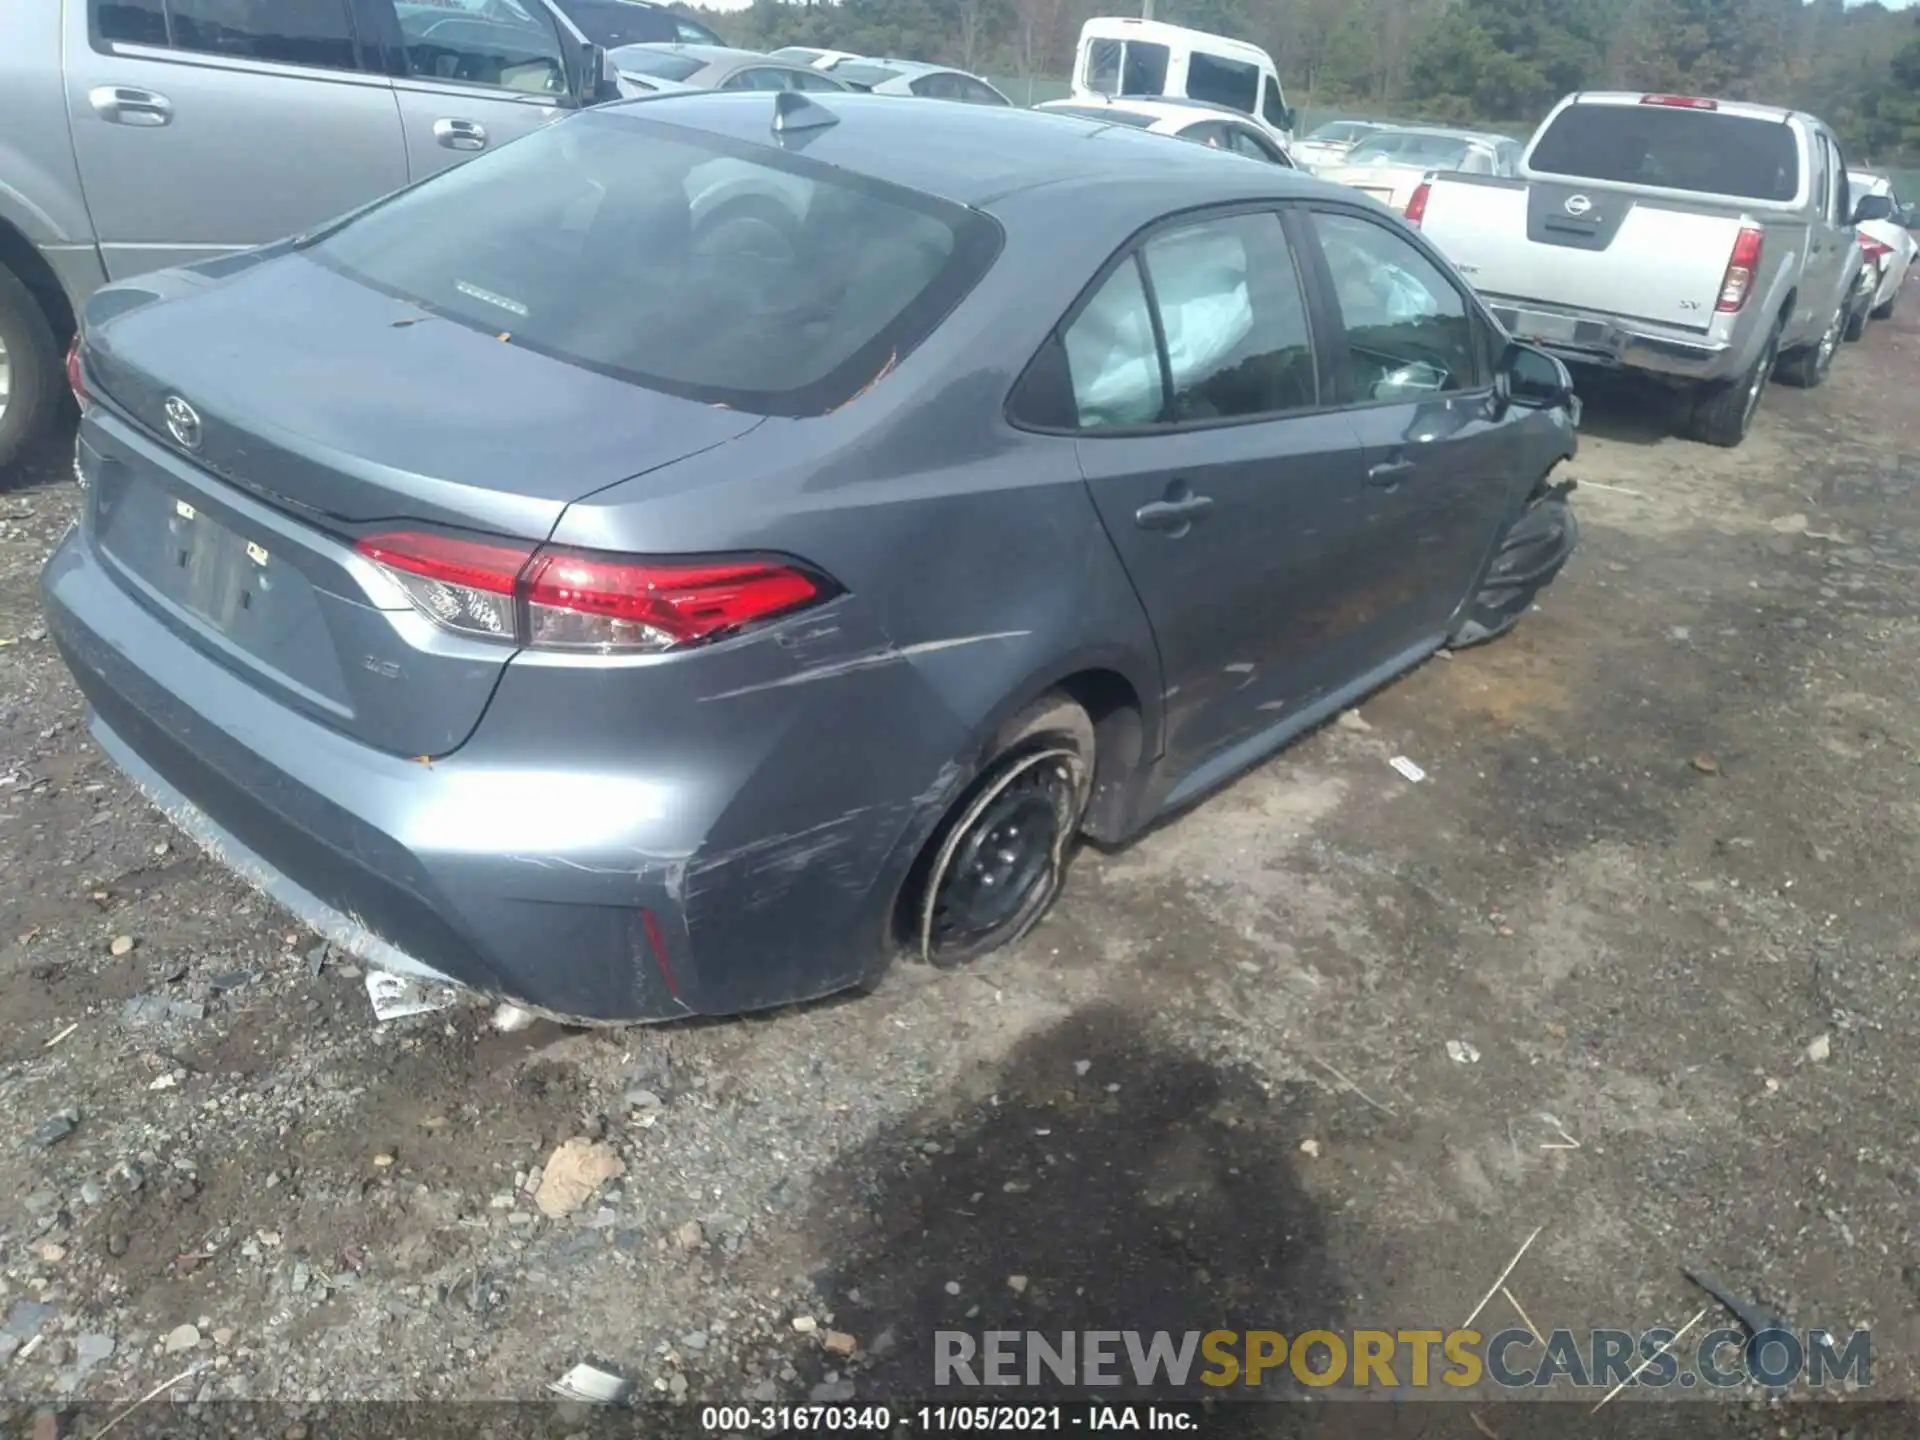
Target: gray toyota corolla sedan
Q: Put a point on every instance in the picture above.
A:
(687, 557)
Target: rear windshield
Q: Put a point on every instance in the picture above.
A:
(618, 22)
(718, 270)
(1706, 152)
(1127, 67)
(864, 76)
(1103, 113)
(661, 64)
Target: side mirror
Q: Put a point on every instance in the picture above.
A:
(1872, 207)
(1534, 380)
(598, 80)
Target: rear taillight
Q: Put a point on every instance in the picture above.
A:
(1741, 268)
(552, 598)
(76, 378)
(1417, 203)
(1874, 250)
(1680, 102)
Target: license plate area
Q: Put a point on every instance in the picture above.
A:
(1536, 325)
(221, 578)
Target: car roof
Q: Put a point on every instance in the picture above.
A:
(706, 54)
(976, 154)
(1480, 136)
(1158, 109)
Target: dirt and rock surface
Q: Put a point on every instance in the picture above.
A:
(1659, 880)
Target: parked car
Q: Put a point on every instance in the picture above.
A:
(1328, 144)
(1390, 164)
(1889, 246)
(812, 55)
(1700, 241)
(716, 67)
(911, 77)
(531, 592)
(1121, 57)
(134, 137)
(1211, 125)
(608, 23)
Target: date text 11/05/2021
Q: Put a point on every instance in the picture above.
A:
(948, 1419)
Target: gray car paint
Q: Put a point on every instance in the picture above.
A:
(728, 828)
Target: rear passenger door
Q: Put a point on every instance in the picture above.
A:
(1413, 365)
(203, 126)
(1228, 489)
(471, 76)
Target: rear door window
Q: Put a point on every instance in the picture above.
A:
(619, 244)
(317, 34)
(1255, 146)
(510, 45)
(1145, 69)
(1219, 81)
(1706, 152)
(978, 92)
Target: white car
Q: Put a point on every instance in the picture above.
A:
(1328, 144)
(1889, 246)
(1390, 164)
(1216, 126)
(812, 55)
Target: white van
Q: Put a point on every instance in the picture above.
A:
(1146, 58)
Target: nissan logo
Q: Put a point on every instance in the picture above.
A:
(1578, 205)
(183, 423)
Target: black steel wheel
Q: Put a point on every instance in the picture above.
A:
(999, 860)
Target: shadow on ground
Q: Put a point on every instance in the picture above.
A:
(1627, 408)
(1100, 1181)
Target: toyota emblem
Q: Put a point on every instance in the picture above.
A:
(183, 423)
(1578, 205)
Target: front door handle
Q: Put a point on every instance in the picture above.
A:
(460, 134)
(1389, 473)
(124, 105)
(1174, 514)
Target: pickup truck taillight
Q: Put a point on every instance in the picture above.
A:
(1680, 102)
(1417, 203)
(1741, 268)
(1873, 250)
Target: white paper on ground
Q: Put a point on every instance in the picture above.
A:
(396, 995)
(1407, 768)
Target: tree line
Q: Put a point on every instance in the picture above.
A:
(1499, 62)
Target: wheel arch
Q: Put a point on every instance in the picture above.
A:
(21, 256)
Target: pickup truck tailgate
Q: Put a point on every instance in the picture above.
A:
(1589, 249)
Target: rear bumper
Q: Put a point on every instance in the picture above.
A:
(1586, 338)
(580, 886)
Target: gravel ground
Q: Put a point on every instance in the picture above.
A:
(1660, 880)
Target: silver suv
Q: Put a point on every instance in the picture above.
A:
(137, 134)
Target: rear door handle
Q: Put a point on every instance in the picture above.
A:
(460, 134)
(1174, 515)
(1389, 473)
(124, 105)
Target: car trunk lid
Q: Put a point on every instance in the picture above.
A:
(307, 410)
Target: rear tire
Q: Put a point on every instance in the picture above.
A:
(1807, 368)
(1857, 323)
(30, 371)
(1723, 413)
(999, 858)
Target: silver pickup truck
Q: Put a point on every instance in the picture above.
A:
(138, 134)
(1702, 241)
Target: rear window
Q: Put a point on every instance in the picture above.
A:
(1707, 152)
(1127, 67)
(661, 64)
(712, 269)
(619, 22)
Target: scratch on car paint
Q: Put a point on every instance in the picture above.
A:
(867, 661)
(768, 868)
